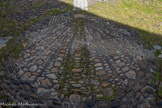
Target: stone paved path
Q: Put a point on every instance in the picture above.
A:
(88, 62)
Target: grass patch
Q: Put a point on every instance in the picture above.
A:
(78, 26)
(70, 2)
(143, 16)
(37, 4)
(158, 52)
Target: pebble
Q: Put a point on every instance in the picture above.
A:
(105, 84)
(42, 91)
(108, 92)
(47, 52)
(131, 75)
(76, 70)
(125, 69)
(124, 100)
(139, 58)
(138, 94)
(74, 98)
(27, 55)
(26, 75)
(51, 76)
(116, 57)
(76, 85)
(160, 56)
(98, 68)
(98, 65)
(57, 64)
(25, 45)
(121, 64)
(33, 68)
(157, 47)
(46, 83)
(79, 16)
(90, 103)
(100, 73)
(99, 95)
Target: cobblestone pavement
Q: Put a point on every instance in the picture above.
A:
(87, 62)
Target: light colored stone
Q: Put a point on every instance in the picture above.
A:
(26, 55)
(55, 81)
(125, 81)
(76, 70)
(58, 64)
(81, 82)
(46, 83)
(33, 68)
(139, 58)
(25, 45)
(62, 51)
(97, 60)
(116, 57)
(113, 54)
(20, 60)
(157, 47)
(26, 75)
(77, 55)
(62, 96)
(54, 93)
(105, 84)
(99, 95)
(61, 55)
(98, 68)
(108, 92)
(131, 75)
(51, 76)
(125, 69)
(59, 59)
(121, 64)
(160, 56)
(100, 73)
(74, 98)
(33, 51)
(98, 64)
(42, 91)
(79, 16)
(35, 73)
(76, 85)
(47, 52)
(54, 70)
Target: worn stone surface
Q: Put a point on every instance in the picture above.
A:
(58, 68)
